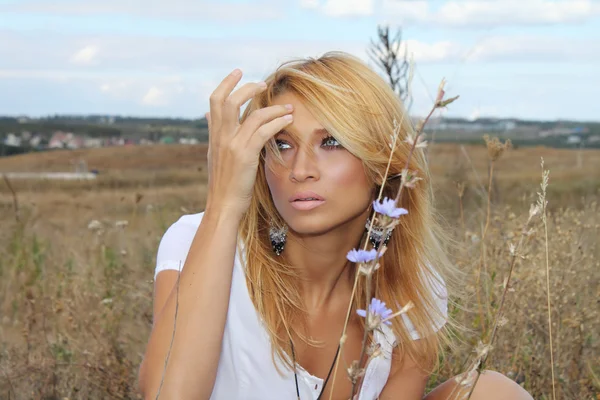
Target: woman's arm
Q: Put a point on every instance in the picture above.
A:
(406, 381)
(203, 299)
(202, 296)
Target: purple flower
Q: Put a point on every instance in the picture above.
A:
(388, 207)
(361, 256)
(378, 312)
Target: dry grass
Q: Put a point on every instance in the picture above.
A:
(75, 303)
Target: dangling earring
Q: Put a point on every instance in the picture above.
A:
(376, 235)
(278, 237)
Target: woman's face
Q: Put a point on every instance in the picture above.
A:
(316, 192)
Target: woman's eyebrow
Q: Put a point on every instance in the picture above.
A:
(318, 131)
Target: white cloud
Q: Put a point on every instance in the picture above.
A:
(159, 56)
(341, 8)
(85, 56)
(535, 49)
(490, 13)
(174, 57)
(118, 88)
(175, 76)
(443, 51)
(313, 4)
(154, 97)
(172, 9)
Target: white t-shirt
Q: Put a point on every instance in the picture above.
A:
(246, 369)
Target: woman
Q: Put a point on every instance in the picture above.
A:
(265, 283)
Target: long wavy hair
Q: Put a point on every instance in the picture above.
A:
(358, 108)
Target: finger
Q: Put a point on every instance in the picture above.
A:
(232, 105)
(267, 131)
(260, 117)
(219, 95)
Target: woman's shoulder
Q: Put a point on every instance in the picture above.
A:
(175, 243)
(190, 219)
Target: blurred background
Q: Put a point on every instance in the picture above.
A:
(103, 146)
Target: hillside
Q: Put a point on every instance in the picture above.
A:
(118, 158)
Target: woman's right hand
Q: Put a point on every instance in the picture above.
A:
(234, 148)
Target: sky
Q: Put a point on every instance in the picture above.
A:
(528, 59)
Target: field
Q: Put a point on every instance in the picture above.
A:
(76, 295)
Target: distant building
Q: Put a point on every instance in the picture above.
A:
(474, 126)
(188, 141)
(12, 140)
(65, 140)
(93, 142)
(574, 139)
(35, 141)
(562, 131)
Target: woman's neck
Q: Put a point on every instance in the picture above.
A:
(325, 273)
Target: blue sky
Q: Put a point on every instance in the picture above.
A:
(533, 59)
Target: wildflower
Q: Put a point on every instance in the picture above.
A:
(416, 141)
(410, 178)
(378, 314)
(496, 148)
(94, 225)
(361, 256)
(441, 92)
(534, 210)
(439, 101)
(512, 249)
(388, 207)
(355, 372)
(444, 103)
(482, 349)
(374, 350)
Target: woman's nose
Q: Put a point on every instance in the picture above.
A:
(304, 166)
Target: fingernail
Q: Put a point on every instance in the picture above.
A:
(289, 107)
(236, 72)
(262, 85)
(289, 117)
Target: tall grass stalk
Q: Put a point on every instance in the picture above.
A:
(542, 203)
(483, 354)
(162, 378)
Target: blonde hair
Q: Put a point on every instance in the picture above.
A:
(358, 108)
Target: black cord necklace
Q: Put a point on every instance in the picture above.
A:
(326, 379)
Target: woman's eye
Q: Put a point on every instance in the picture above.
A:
(331, 143)
(281, 145)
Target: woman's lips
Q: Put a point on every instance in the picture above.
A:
(305, 205)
